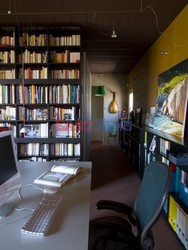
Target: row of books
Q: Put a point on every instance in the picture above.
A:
(32, 114)
(27, 39)
(42, 73)
(42, 40)
(7, 94)
(32, 57)
(66, 94)
(164, 146)
(32, 94)
(7, 56)
(30, 73)
(37, 94)
(8, 113)
(65, 57)
(7, 74)
(33, 149)
(33, 40)
(73, 40)
(65, 74)
(65, 149)
(65, 130)
(7, 40)
(64, 114)
(178, 219)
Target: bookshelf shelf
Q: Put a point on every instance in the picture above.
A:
(42, 65)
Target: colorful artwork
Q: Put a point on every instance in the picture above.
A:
(172, 100)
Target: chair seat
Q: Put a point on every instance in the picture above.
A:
(111, 229)
(112, 221)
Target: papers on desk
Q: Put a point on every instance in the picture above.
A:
(58, 175)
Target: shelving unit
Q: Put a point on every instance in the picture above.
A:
(40, 91)
(143, 145)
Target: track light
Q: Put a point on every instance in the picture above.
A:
(114, 35)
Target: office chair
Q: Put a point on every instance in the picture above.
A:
(115, 232)
(110, 131)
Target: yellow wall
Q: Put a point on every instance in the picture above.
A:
(144, 76)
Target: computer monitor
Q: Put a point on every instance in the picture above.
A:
(10, 180)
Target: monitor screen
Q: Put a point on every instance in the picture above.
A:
(7, 160)
(10, 179)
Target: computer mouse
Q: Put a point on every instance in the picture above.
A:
(50, 190)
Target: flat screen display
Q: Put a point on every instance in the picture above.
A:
(7, 159)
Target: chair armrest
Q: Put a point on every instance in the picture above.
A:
(117, 207)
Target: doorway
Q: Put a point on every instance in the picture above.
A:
(97, 114)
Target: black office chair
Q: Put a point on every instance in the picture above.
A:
(115, 232)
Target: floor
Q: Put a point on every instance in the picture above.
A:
(113, 178)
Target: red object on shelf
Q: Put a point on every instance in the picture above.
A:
(172, 167)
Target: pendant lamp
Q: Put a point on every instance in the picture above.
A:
(113, 108)
(100, 91)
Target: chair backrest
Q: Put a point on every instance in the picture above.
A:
(110, 128)
(150, 198)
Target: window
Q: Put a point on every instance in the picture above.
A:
(130, 101)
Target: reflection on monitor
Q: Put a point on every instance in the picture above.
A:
(10, 179)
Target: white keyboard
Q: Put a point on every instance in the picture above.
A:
(39, 222)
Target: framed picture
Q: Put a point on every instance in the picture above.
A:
(171, 101)
(32, 131)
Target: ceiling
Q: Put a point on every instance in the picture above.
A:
(137, 23)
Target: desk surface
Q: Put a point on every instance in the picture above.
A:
(69, 230)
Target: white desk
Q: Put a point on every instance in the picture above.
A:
(69, 230)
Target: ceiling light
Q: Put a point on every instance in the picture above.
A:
(114, 35)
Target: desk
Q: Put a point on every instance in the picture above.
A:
(69, 230)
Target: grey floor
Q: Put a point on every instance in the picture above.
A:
(113, 178)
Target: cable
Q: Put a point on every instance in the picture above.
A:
(27, 185)
(156, 18)
(24, 208)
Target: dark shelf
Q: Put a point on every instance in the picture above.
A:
(8, 104)
(29, 156)
(33, 105)
(32, 121)
(47, 140)
(180, 203)
(64, 104)
(69, 65)
(72, 48)
(63, 121)
(7, 121)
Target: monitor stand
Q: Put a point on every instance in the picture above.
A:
(5, 209)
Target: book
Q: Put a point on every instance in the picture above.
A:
(58, 175)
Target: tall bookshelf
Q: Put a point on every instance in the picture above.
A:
(40, 91)
(143, 145)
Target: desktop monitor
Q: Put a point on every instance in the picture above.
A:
(10, 180)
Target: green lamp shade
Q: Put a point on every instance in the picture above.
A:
(100, 91)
